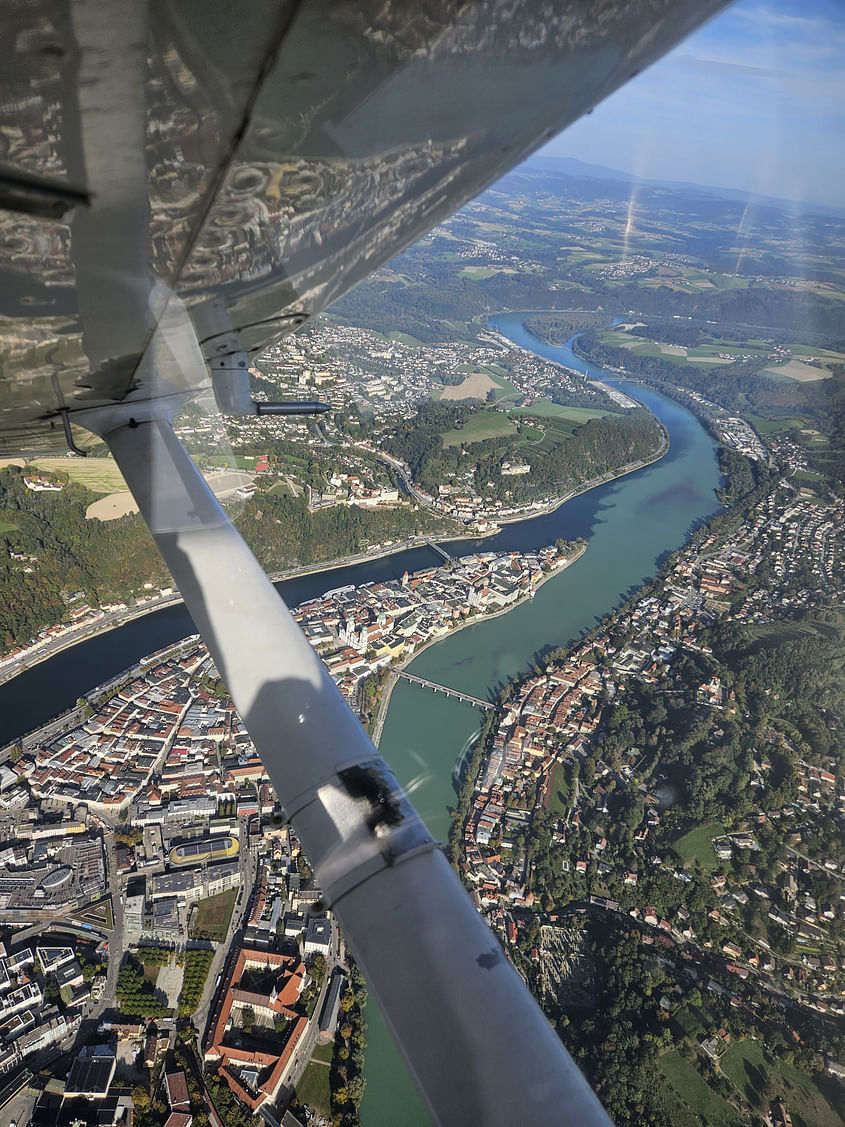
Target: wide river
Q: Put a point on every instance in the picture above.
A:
(630, 524)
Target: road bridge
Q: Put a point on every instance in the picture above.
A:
(440, 551)
(476, 702)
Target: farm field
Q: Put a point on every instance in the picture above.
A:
(475, 385)
(483, 424)
(797, 370)
(775, 426)
(696, 845)
(100, 475)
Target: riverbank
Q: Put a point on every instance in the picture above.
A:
(390, 684)
(631, 525)
(37, 655)
(84, 634)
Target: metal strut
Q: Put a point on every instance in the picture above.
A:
(477, 1044)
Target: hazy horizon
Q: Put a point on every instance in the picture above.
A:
(753, 102)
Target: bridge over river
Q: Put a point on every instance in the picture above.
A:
(476, 702)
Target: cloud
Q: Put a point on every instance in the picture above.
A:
(724, 66)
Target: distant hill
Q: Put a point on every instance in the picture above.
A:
(569, 166)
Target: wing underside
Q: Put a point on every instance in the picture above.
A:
(177, 175)
(158, 154)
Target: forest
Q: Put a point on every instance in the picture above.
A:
(53, 559)
(49, 552)
(568, 456)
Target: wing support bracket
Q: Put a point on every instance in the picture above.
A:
(228, 363)
(69, 439)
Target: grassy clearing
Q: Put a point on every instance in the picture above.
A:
(313, 1088)
(481, 425)
(213, 916)
(323, 1053)
(545, 409)
(405, 338)
(696, 845)
(772, 635)
(281, 489)
(558, 804)
(808, 476)
(478, 273)
(504, 388)
(697, 1093)
(7, 524)
(776, 426)
(746, 1067)
(757, 1075)
(100, 475)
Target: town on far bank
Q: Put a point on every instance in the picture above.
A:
(664, 782)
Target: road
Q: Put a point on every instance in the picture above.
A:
(249, 869)
(816, 864)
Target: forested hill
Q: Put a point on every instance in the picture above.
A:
(562, 461)
(49, 552)
(52, 559)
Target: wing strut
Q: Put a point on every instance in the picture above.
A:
(481, 1050)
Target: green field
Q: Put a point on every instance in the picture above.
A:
(760, 1077)
(313, 1088)
(545, 409)
(213, 916)
(696, 1093)
(7, 525)
(506, 390)
(323, 1053)
(100, 475)
(280, 489)
(696, 845)
(688, 1020)
(808, 476)
(479, 273)
(481, 425)
(776, 426)
(558, 805)
(405, 338)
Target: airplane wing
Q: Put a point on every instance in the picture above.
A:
(182, 183)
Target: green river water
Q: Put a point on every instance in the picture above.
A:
(630, 525)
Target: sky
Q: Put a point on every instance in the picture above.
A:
(753, 100)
